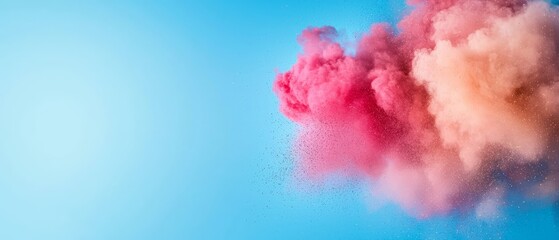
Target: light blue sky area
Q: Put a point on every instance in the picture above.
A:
(156, 120)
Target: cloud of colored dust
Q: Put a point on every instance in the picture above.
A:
(458, 109)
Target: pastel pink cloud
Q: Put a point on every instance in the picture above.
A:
(461, 104)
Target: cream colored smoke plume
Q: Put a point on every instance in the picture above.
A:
(496, 87)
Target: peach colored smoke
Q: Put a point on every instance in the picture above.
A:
(459, 109)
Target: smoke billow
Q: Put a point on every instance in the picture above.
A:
(457, 111)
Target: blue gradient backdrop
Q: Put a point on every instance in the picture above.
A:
(156, 120)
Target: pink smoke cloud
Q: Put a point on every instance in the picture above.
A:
(455, 112)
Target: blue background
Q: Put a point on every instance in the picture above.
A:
(156, 120)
